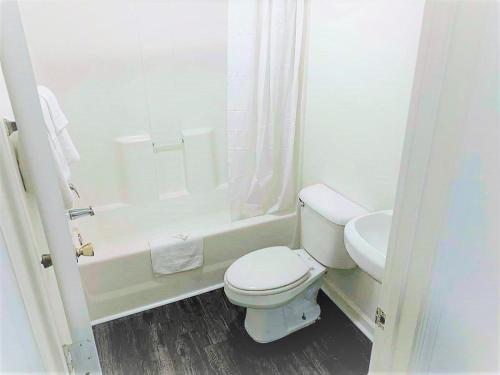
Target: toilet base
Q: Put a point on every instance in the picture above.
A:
(266, 325)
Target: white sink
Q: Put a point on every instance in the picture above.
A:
(366, 239)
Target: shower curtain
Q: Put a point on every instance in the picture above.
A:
(265, 46)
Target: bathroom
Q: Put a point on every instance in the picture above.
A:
(251, 134)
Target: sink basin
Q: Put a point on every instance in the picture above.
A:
(366, 238)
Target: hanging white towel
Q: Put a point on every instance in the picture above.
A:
(65, 152)
(67, 194)
(176, 253)
(63, 148)
(57, 123)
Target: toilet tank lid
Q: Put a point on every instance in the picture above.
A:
(330, 204)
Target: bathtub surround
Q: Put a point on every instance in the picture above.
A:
(150, 71)
(265, 53)
(360, 68)
(199, 159)
(137, 169)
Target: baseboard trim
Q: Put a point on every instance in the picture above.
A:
(349, 308)
(156, 304)
(344, 303)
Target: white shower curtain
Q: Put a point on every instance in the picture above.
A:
(265, 45)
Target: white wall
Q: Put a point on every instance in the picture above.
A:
(125, 68)
(19, 351)
(359, 77)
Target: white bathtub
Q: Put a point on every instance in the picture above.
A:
(119, 281)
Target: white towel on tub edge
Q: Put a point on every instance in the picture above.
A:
(176, 253)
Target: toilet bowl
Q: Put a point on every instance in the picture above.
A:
(278, 285)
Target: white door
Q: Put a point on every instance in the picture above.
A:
(441, 289)
(21, 86)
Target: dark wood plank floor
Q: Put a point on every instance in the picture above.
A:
(205, 335)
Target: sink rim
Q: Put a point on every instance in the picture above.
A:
(368, 257)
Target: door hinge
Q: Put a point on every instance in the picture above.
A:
(67, 356)
(81, 358)
(380, 318)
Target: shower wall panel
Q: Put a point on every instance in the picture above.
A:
(125, 69)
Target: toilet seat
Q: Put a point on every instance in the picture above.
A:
(267, 271)
(273, 298)
(267, 291)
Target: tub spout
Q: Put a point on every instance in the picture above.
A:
(76, 213)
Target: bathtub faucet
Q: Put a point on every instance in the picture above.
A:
(76, 213)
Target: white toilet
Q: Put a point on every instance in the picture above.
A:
(279, 286)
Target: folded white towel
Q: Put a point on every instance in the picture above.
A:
(171, 254)
(56, 123)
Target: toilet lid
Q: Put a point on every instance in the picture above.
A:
(264, 269)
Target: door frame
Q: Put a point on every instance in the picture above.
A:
(22, 247)
(424, 185)
(21, 87)
(395, 338)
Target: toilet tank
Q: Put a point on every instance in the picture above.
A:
(324, 213)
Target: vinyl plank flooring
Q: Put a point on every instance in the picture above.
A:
(205, 335)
